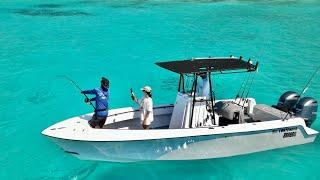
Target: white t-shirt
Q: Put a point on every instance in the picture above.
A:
(146, 105)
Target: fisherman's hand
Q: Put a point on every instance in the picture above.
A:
(133, 97)
(87, 100)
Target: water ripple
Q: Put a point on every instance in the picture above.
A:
(51, 12)
(49, 5)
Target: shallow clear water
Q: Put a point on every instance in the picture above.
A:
(87, 39)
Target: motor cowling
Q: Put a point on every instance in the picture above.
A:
(287, 101)
(307, 108)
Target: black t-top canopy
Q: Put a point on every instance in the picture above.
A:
(199, 65)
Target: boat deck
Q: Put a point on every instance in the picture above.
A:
(261, 112)
(160, 122)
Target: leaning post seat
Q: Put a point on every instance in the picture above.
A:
(202, 115)
(181, 114)
(230, 111)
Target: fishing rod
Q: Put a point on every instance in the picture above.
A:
(244, 88)
(238, 94)
(252, 79)
(309, 81)
(78, 87)
(306, 87)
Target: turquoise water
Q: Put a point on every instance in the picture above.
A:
(87, 39)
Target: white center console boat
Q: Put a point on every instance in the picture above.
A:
(195, 126)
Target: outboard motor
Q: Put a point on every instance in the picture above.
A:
(307, 109)
(287, 101)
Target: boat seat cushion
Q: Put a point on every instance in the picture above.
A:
(263, 112)
(230, 110)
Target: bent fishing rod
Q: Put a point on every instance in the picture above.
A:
(306, 87)
(78, 87)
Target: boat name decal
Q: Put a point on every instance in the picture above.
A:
(283, 130)
(287, 132)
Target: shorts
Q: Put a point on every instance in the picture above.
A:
(97, 121)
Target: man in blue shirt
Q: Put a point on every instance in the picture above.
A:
(101, 108)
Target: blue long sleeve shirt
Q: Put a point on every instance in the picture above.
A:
(101, 99)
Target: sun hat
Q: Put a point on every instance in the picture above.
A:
(146, 89)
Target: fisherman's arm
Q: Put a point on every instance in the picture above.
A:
(93, 91)
(89, 100)
(135, 99)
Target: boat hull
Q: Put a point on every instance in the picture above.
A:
(187, 148)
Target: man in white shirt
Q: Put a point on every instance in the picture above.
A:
(146, 107)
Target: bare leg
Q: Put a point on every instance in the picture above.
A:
(145, 126)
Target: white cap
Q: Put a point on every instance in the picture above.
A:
(146, 89)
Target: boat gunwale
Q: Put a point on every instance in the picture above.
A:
(300, 127)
